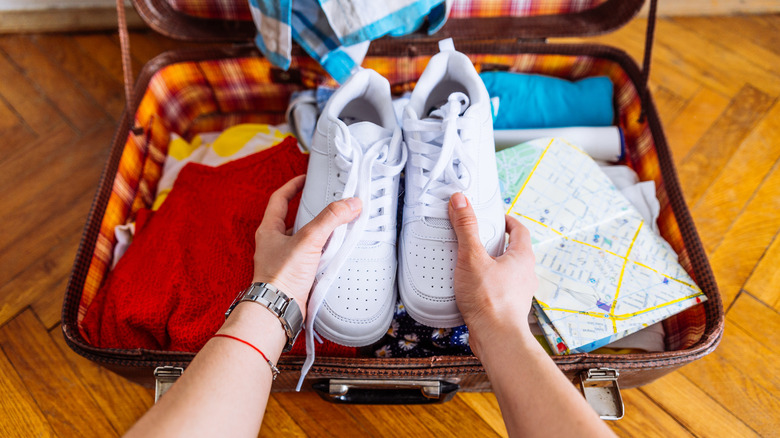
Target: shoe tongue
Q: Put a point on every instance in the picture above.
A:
(366, 133)
(438, 222)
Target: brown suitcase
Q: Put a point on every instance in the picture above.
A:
(496, 35)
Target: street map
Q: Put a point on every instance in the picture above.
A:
(603, 273)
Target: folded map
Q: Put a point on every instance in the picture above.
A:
(603, 273)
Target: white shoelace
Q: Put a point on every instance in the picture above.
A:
(440, 153)
(367, 175)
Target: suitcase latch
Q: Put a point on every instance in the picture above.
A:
(600, 388)
(164, 378)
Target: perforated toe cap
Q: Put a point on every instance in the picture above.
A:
(426, 283)
(356, 309)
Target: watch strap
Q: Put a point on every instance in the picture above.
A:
(284, 307)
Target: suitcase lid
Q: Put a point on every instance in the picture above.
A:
(231, 21)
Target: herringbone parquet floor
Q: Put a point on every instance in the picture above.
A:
(716, 81)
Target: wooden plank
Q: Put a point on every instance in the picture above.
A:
(630, 38)
(48, 304)
(668, 103)
(8, 117)
(390, 420)
(700, 57)
(120, 400)
(764, 282)
(68, 18)
(714, 7)
(34, 246)
(748, 238)
(740, 349)
(733, 387)
(319, 418)
(693, 121)
(42, 284)
(728, 194)
(21, 415)
(146, 45)
(674, 58)
(14, 141)
(449, 419)
(486, 406)
(277, 422)
(710, 155)
(32, 158)
(643, 417)
(78, 107)
(76, 169)
(45, 206)
(694, 408)
(757, 319)
(733, 37)
(766, 29)
(88, 73)
(49, 377)
(106, 52)
(40, 115)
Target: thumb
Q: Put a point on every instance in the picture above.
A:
(464, 221)
(334, 215)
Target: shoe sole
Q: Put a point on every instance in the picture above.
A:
(436, 321)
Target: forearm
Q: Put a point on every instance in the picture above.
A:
(536, 399)
(225, 389)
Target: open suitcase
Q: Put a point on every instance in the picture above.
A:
(231, 84)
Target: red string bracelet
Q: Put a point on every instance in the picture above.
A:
(274, 370)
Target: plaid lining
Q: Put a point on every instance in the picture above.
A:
(239, 10)
(192, 97)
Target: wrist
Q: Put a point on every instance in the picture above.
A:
(258, 326)
(285, 287)
(488, 336)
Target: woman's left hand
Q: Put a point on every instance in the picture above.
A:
(290, 262)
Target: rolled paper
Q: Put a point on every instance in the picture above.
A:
(601, 143)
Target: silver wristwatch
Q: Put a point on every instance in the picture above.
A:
(284, 307)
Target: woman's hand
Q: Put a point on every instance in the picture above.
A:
(290, 262)
(493, 293)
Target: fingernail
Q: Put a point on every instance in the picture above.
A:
(354, 204)
(458, 201)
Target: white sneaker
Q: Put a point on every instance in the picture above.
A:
(448, 129)
(356, 151)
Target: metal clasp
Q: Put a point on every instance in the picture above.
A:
(164, 378)
(600, 388)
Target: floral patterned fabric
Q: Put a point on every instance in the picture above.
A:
(408, 338)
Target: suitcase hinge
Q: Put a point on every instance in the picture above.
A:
(600, 388)
(164, 378)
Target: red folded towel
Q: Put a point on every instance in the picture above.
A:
(190, 259)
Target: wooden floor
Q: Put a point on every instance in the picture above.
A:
(716, 82)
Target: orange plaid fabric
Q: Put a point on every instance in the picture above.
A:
(239, 9)
(192, 97)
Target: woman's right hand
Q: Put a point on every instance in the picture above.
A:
(493, 293)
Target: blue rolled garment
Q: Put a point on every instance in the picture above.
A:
(536, 101)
